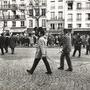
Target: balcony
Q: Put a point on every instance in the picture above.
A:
(8, 7)
(10, 18)
(22, 6)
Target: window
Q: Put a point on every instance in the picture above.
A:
(37, 11)
(13, 0)
(60, 14)
(30, 23)
(22, 5)
(79, 5)
(60, 0)
(43, 12)
(88, 5)
(78, 25)
(22, 23)
(52, 15)
(70, 5)
(52, 7)
(5, 23)
(30, 12)
(69, 25)
(52, 26)
(23, 11)
(52, 0)
(79, 16)
(44, 2)
(14, 23)
(60, 25)
(60, 7)
(70, 17)
(43, 22)
(5, 2)
(88, 16)
(88, 25)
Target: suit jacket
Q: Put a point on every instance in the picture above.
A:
(41, 47)
(67, 43)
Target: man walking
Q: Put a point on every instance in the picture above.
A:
(66, 51)
(77, 45)
(41, 52)
(2, 43)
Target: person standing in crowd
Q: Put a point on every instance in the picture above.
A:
(87, 45)
(12, 43)
(77, 45)
(41, 52)
(6, 42)
(66, 44)
(2, 43)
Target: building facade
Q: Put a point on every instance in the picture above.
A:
(77, 15)
(12, 16)
(55, 16)
(36, 14)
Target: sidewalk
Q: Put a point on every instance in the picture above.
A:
(13, 75)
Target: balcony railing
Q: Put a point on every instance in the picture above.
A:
(9, 18)
(8, 7)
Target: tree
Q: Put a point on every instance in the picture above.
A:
(35, 7)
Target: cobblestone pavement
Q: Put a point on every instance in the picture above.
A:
(13, 75)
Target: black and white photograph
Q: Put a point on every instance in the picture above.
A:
(44, 44)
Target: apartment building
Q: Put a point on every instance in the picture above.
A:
(77, 15)
(55, 16)
(12, 16)
(36, 14)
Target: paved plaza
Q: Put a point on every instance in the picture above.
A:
(13, 75)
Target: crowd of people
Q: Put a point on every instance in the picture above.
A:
(30, 40)
(42, 40)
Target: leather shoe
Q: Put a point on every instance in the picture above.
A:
(60, 68)
(48, 73)
(29, 72)
(69, 69)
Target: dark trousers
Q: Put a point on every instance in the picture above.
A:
(67, 56)
(6, 49)
(87, 49)
(2, 51)
(12, 50)
(77, 49)
(36, 61)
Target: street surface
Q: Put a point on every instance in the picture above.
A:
(13, 75)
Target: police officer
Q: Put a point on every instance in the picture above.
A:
(66, 44)
(41, 52)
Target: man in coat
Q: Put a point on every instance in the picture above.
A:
(2, 43)
(66, 51)
(41, 52)
(7, 42)
(77, 45)
(12, 43)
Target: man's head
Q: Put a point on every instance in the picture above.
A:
(40, 32)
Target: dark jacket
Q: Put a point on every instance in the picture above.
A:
(67, 43)
(2, 41)
(78, 42)
(7, 41)
(12, 43)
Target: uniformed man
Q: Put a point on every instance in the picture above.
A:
(41, 52)
(66, 48)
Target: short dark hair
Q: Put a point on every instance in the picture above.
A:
(39, 30)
